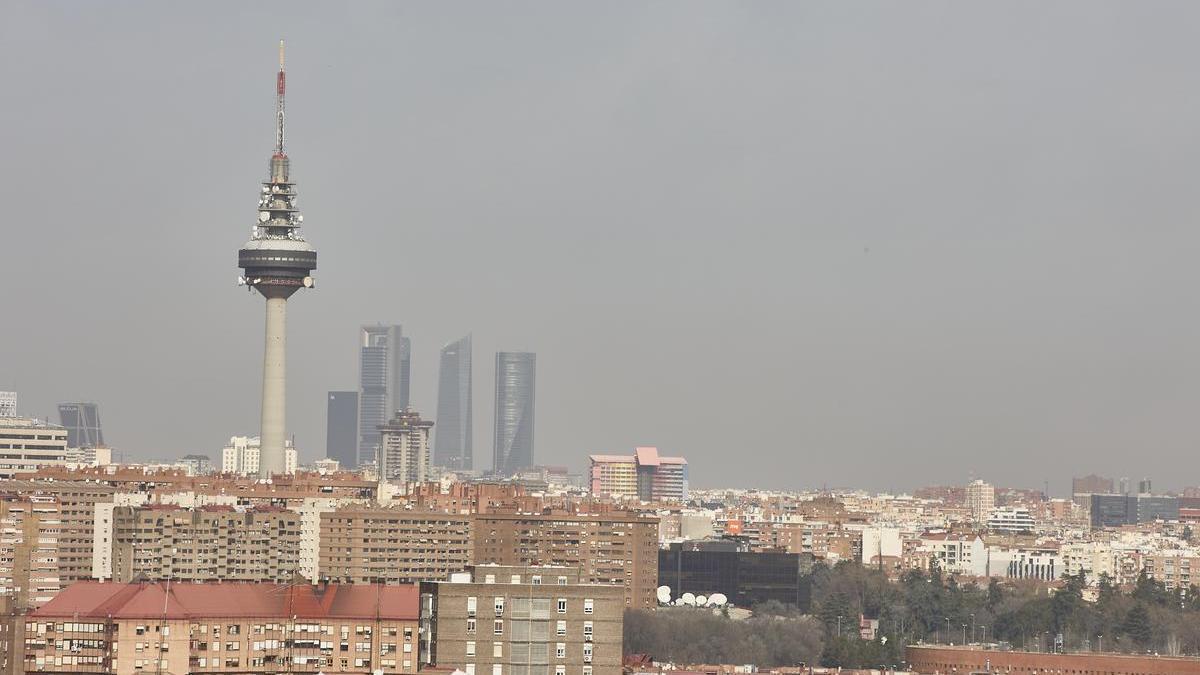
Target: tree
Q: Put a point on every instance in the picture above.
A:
(1137, 625)
(995, 595)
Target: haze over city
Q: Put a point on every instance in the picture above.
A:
(882, 245)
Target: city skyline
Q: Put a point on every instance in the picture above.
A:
(871, 239)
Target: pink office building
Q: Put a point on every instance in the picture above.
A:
(644, 475)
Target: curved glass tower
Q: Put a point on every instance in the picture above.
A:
(513, 443)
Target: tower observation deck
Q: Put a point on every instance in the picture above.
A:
(276, 262)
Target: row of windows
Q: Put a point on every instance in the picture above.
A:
(498, 669)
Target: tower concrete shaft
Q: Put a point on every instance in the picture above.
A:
(277, 263)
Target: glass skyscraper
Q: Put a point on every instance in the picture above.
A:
(82, 421)
(341, 428)
(513, 444)
(452, 434)
(383, 380)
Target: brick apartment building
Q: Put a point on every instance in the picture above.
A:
(941, 660)
(142, 628)
(29, 530)
(208, 543)
(518, 620)
(76, 511)
(615, 547)
(370, 544)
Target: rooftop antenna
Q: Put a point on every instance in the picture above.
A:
(280, 88)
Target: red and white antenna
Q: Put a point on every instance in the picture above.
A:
(280, 87)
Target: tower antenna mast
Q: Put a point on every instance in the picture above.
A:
(280, 89)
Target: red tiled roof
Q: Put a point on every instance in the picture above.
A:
(94, 599)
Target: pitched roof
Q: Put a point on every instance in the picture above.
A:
(95, 599)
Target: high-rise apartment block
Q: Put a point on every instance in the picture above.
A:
(29, 530)
(452, 447)
(82, 422)
(644, 475)
(365, 544)
(225, 627)
(404, 448)
(341, 428)
(8, 404)
(617, 547)
(981, 500)
(524, 620)
(243, 454)
(383, 384)
(516, 376)
(28, 444)
(207, 543)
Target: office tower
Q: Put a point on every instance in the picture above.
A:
(513, 444)
(404, 448)
(644, 475)
(1123, 486)
(383, 376)
(981, 499)
(341, 428)
(30, 444)
(8, 404)
(277, 263)
(1145, 487)
(452, 439)
(82, 422)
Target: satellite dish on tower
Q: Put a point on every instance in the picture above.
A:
(664, 595)
(718, 600)
(701, 601)
(688, 599)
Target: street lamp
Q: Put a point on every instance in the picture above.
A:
(839, 625)
(1100, 639)
(948, 638)
(972, 626)
(964, 627)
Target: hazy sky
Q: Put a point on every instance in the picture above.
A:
(846, 243)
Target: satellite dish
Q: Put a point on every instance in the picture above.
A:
(308, 282)
(241, 281)
(718, 599)
(701, 601)
(664, 595)
(263, 216)
(688, 599)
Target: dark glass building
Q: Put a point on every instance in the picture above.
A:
(725, 566)
(513, 444)
(452, 435)
(341, 428)
(1118, 510)
(82, 421)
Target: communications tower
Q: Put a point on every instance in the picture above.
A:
(276, 262)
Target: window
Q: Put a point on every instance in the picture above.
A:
(497, 650)
(470, 626)
(470, 669)
(499, 606)
(560, 670)
(470, 648)
(498, 627)
(562, 605)
(536, 580)
(561, 629)
(472, 605)
(497, 669)
(516, 579)
(560, 650)
(562, 581)
(587, 652)
(489, 579)
(587, 670)
(587, 631)
(587, 606)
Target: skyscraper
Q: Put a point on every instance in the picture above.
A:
(515, 378)
(341, 428)
(383, 376)
(82, 421)
(404, 448)
(277, 263)
(452, 439)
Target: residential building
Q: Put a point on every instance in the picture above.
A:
(76, 502)
(82, 422)
(241, 456)
(981, 499)
(28, 444)
(383, 384)
(616, 547)
(524, 620)
(1091, 485)
(644, 475)
(516, 376)
(198, 465)
(225, 627)
(452, 447)
(404, 448)
(8, 404)
(341, 428)
(366, 544)
(29, 528)
(1014, 520)
(205, 543)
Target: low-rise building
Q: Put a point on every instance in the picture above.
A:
(520, 620)
(240, 456)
